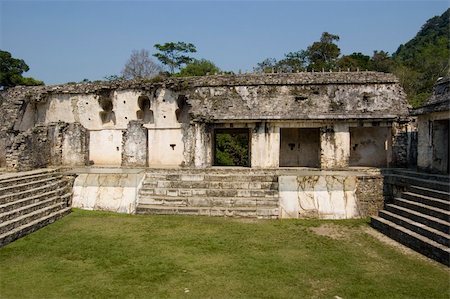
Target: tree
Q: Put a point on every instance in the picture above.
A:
(381, 61)
(200, 67)
(265, 66)
(354, 61)
(292, 62)
(425, 58)
(324, 53)
(140, 65)
(11, 70)
(173, 54)
(231, 149)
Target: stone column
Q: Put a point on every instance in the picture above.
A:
(135, 145)
(203, 146)
(75, 145)
(265, 146)
(335, 146)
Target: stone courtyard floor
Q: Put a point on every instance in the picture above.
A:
(98, 254)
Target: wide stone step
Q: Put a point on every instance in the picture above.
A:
(403, 180)
(209, 211)
(16, 179)
(9, 206)
(430, 221)
(38, 204)
(429, 192)
(180, 184)
(426, 200)
(28, 185)
(213, 177)
(32, 226)
(422, 229)
(210, 201)
(420, 175)
(208, 192)
(423, 208)
(419, 243)
(24, 219)
(43, 189)
(29, 208)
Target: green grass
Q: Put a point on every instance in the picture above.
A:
(103, 255)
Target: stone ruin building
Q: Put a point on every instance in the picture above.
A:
(433, 122)
(320, 145)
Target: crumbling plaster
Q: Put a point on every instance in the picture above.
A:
(330, 195)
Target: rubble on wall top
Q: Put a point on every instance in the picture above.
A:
(183, 83)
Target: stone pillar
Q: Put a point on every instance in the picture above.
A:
(265, 146)
(75, 145)
(424, 142)
(335, 146)
(203, 146)
(3, 143)
(135, 145)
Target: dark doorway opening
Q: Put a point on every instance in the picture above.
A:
(441, 145)
(369, 146)
(232, 147)
(300, 147)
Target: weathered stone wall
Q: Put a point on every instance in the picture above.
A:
(331, 195)
(30, 149)
(404, 144)
(135, 144)
(332, 101)
(370, 194)
(433, 129)
(115, 192)
(171, 109)
(75, 144)
(370, 146)
(433, 138)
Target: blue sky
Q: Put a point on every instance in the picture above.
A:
(66, 41)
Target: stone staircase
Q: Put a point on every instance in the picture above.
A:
(418, 215)
(230, 193)
(31, 200)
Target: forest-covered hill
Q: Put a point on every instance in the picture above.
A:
(425, 58)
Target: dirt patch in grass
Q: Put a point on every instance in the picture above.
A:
(332, 231)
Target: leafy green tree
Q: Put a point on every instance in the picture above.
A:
(232, 149)
(201, 67)
(425, 58)
(293, 62)
(381, 61)
(266, 66)
(323, 54)
(173, 55)
(354, 61)
(11, 70)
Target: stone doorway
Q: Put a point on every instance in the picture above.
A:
(300, 147)
(441, 145)
(369, 146)
(232, 147)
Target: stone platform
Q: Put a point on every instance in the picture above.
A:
(231, 191)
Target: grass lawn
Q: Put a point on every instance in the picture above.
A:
(101, 255)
